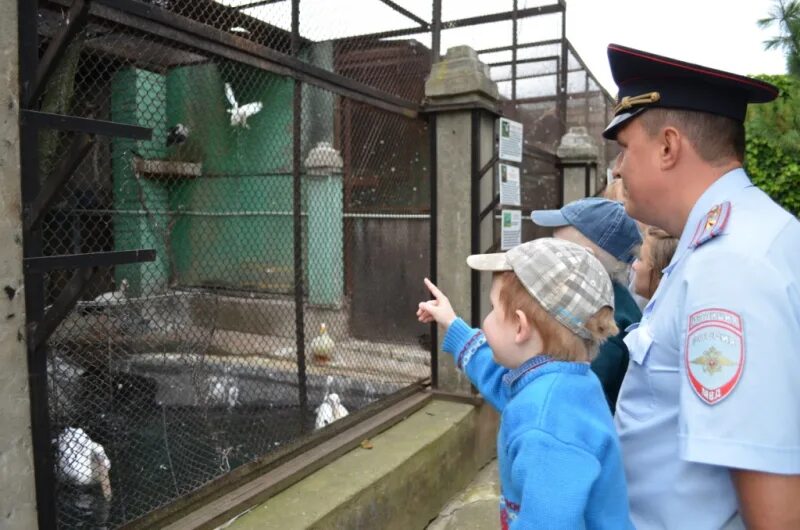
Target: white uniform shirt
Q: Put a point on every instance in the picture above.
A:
(714, 377)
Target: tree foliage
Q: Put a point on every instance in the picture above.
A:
(772, 155)
(785, 14)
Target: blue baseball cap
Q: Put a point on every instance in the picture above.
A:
(602, 221)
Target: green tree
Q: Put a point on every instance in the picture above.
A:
(786, 15)
(772, 156)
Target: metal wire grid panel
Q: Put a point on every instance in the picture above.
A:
(536, 91)
(169, 374)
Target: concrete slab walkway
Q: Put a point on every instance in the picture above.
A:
(476, 507)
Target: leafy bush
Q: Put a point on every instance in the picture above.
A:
(772, 155)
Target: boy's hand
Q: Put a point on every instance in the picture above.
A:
(438, 309)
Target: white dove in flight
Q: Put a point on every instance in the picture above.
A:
(239, 114)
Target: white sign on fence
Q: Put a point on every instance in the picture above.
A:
(509, 185)
(510, 145)
(511, 231)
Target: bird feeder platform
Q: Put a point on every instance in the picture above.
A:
(167, 169)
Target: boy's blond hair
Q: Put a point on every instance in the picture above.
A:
(558, 340)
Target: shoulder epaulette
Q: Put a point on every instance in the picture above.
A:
(712, 224)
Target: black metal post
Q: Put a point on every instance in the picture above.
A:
(436, 31)
(563, 67)
(406, 13)
(433, 242)
(34, 282)
(586, 99)
(587, 180)
(457, 23)
(514, 53)
(475, 193)
(297, 187)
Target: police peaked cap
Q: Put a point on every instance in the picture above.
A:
(646, 80)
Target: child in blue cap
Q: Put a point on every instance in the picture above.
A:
(603, 226)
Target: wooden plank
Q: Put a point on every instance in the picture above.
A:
(167, 168)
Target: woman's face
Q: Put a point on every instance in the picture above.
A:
(643, 271)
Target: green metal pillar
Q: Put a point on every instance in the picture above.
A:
(325, 227)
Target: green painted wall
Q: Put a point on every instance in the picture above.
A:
(137, 98)
(244, 236)
(233, 226)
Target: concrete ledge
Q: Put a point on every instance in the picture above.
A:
(402, 481)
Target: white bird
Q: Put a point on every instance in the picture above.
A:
(330, 410)
(239, 114)
(322, 346)
(233, 396)
(223, 390)
(82, 462)
(114, 297)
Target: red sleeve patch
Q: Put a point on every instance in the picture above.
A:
(714, 353)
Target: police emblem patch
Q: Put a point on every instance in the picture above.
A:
(714, 353)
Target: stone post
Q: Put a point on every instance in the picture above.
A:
(578, 155)
(458, 86)
(325, 229)
(17, 489)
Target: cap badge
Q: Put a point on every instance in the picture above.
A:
(634, 101)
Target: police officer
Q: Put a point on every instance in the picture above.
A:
(709, 411)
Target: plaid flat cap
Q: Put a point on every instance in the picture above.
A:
(565, 278)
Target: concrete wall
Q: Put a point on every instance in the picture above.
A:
(401, 482)
(453, 131)
(17, 494)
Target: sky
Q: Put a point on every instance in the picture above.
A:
(719, 33)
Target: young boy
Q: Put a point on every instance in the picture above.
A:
(558, 454)
(603, 227)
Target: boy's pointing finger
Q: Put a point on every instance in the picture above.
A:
(433, 289)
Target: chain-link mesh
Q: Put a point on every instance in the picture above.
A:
(171, 373)
(529, 83)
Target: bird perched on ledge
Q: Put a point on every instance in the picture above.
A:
(177, 135)
(114, 297)
(322, 347)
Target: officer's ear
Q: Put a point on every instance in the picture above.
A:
(671, 144)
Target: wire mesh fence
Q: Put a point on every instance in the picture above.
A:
(286, 191)
(169, 374)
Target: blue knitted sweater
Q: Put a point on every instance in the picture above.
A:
(557, 450)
